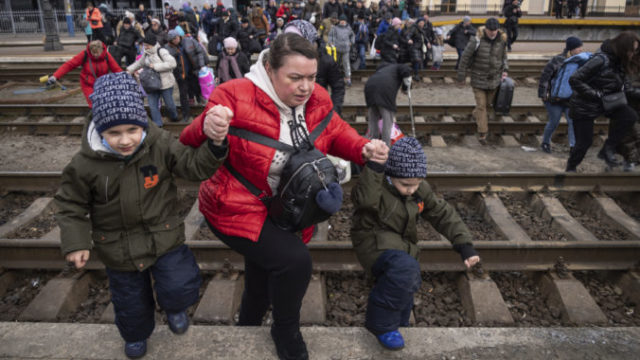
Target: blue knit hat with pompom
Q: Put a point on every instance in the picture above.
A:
(406, 159)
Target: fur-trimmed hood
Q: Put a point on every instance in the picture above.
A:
(501, 34)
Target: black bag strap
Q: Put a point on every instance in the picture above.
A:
(243, 180)
(86, 55)
(275, 144)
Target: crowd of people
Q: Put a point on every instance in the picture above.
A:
(261, 128)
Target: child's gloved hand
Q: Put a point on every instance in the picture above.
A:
(78, 258)
(216, 123)
(469, 262)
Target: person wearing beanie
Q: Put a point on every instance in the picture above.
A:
(158, 59)
(557, 104)
(459, 36)
(342, 37)
(125, 44)
(95, 61)
(233, 64)
(119, 192)
(389, 196)
(512, 13)
(181, 71)
(157, 31)
(485, 57)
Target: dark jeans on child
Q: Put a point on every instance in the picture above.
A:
(277, 272)
(397, 278)
(176, 281)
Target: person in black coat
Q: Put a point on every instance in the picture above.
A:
(557, 8)
(609, 71)
(380, 94)
(460, 36)
(125, 44)
(233, 64)
(330, 7)
(227, 27)
(248, 38)
(391, 42)
(512, 13)
(416, 41)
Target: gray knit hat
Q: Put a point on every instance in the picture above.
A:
(406, 159)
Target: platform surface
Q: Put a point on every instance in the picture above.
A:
(93, 341)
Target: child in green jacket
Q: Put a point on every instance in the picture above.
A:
(388, 198)
(118, 198)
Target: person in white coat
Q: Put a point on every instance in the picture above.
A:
(160, 60)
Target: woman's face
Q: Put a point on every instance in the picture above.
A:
(230, 50)
(294, 80)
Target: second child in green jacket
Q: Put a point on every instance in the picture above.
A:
(118, 199)
(388, 199)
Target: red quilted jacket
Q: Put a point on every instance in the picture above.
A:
(224, 201)
(101, 65)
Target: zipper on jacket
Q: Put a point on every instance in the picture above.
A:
(106, 190)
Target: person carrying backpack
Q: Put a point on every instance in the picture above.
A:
(279, 100)
(95, 61)
(555, 91)
(159, 60)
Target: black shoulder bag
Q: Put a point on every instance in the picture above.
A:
(307, 172)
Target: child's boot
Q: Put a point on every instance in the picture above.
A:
(178, 322)
(135, 349)
(391, 340)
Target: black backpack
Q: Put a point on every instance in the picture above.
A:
(306, 173)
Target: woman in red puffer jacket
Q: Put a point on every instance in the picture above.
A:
(95, 61)
(278, 91)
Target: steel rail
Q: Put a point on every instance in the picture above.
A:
(339, 255)
(443, 182)
(348, 110)
(427, 128)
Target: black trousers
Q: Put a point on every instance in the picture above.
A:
(620, 123)
(194, 86)
(183, 88)
(512, 34)
(277, 272)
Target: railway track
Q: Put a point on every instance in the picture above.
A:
(23, 69)
(516, 256)
(66, 119)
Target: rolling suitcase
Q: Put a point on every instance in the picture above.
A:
(504, 96)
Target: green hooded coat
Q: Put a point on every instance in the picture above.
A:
(125, 208)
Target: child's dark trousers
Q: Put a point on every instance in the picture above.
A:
(397, 276)
(177, 283)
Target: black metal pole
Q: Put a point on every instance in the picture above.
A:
(52, 40)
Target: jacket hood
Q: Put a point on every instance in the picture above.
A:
(93, 147)
(579, 58)
(501, 34)
(102, 55)
(258, 76)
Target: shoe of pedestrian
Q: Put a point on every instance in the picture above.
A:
(178, 322)
(482, 138)
(628, 166)
(391, 340)
(136, 349)
(570, 168)
(608, 155)
(290, 347)
(546, 148)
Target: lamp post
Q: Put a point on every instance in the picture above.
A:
(52, 40)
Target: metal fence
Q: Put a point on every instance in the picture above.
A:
(31, 21)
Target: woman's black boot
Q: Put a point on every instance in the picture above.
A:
(290, 346)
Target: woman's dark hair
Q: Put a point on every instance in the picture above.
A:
(621, 45)
(289, 44)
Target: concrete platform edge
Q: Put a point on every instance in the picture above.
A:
(95, 341)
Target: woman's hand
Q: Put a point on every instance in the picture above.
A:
(216, 123)
(472, 261)
(78, 258)
(375, 150)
